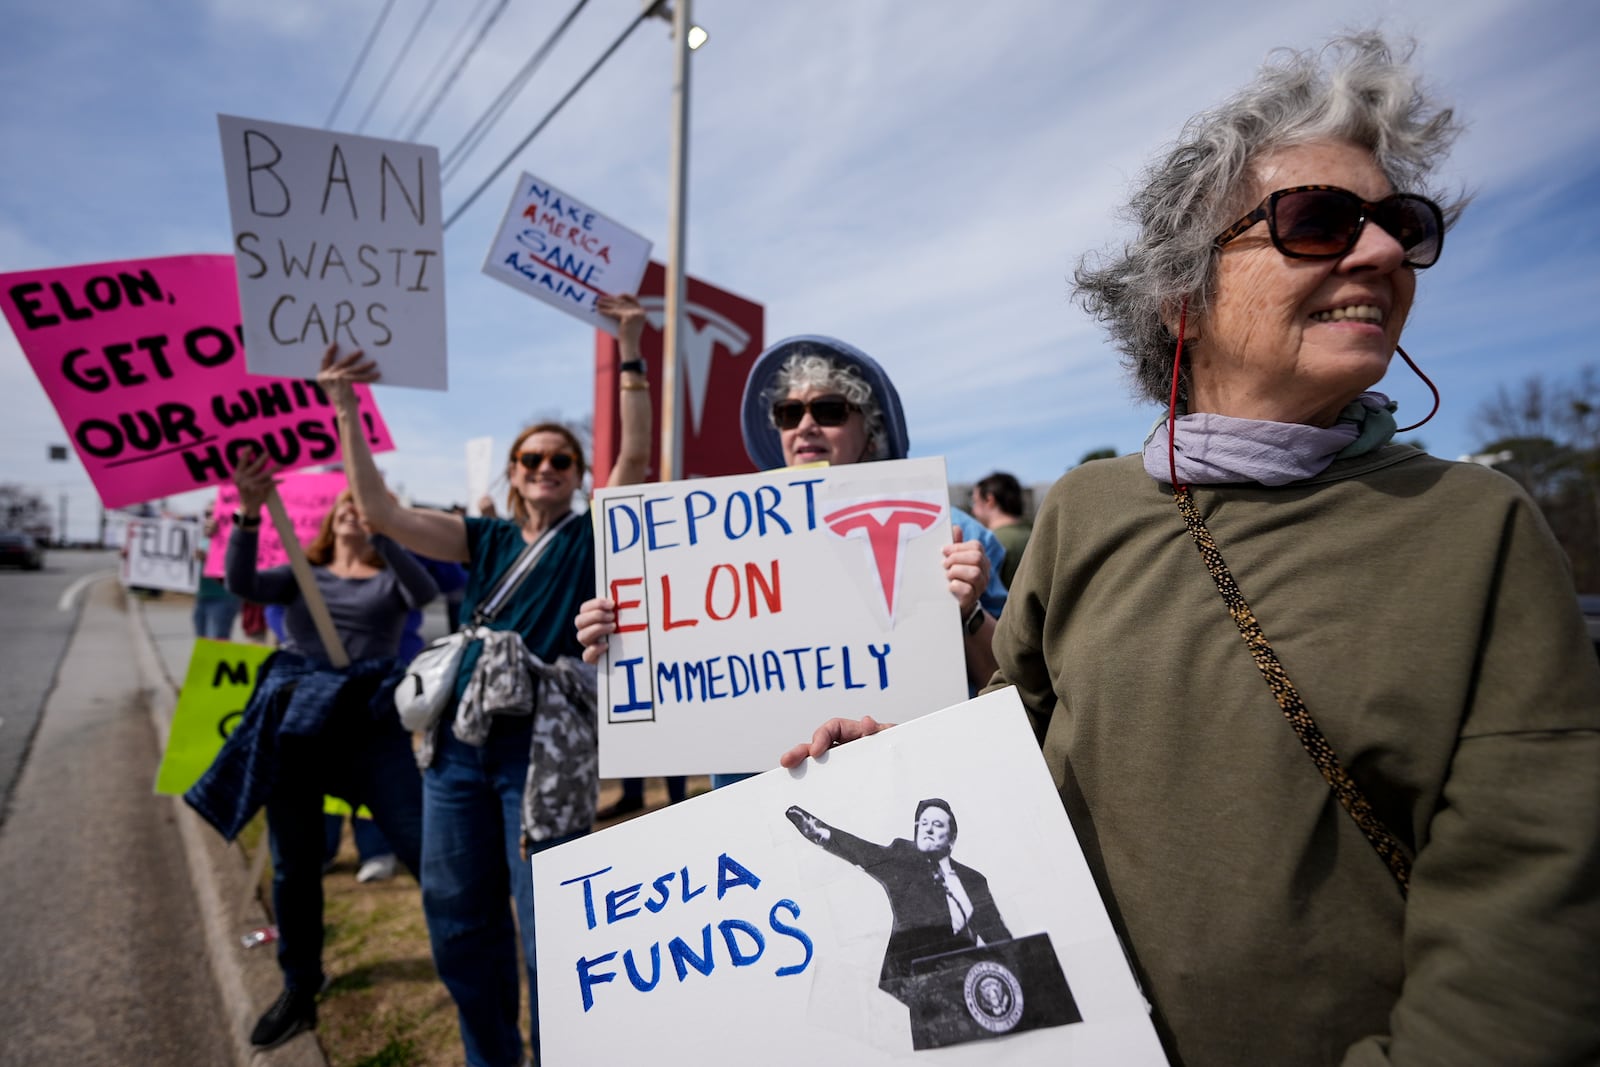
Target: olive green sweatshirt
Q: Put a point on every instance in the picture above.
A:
(1428, 618)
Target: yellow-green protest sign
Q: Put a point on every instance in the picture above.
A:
(216, 689)
(218, 685)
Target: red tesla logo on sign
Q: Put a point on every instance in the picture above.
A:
(885, 525)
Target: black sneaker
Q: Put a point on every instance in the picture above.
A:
(291, 1013)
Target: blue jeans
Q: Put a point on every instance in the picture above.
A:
(370, 842)
(471, 864)
(364, 762)
(214, 618)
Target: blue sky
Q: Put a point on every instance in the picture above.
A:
(916, 178)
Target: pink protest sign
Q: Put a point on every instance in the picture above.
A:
(144, 362)
(306, 498)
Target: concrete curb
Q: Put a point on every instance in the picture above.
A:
(247, 981)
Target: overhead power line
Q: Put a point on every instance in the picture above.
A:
(450, 79)
(570, 93)
(444, 57)
(452, 160)
(394, 68)
(361, 60)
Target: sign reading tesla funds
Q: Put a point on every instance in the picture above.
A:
(555, 247)
(750, 608)
(838, 907)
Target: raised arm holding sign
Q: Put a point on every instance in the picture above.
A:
(471, 927)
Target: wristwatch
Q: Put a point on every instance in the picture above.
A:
(246, 522)
(974, 622)
(634, 365)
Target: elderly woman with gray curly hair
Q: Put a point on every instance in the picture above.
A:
(1425, 888)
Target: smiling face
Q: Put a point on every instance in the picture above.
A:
(546, 489)
(811, 443)
(1295, 340)
(346, 518)
(933, 830)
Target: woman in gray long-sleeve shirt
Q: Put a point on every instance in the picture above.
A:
(363, 756)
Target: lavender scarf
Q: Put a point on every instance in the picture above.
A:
(1213, 449)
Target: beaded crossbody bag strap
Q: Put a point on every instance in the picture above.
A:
(1351, 798)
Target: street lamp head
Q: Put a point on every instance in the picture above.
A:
(697, 37)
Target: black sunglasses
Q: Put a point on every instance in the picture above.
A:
(1324, 222)
(825, 411)
(531, 461)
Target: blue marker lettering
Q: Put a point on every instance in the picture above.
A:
(653, 524)
(688, 894)
(743, 499)
(660, 886)
(682, 954)
(769, 510)
(739, 958)
(731, 873)
(668, 672)
(588, 980)
(618, 897)
(849, 680)
(799, 935)
(655, 969)
(771, 667)
(693, 517)
(883, 664)
(714, 678)
(799, 669)
(823, 668)
(634, 703)
(588, 892)
(616, 535)
(810, 485)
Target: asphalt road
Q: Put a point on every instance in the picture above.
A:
(34, 628)
(101, 956)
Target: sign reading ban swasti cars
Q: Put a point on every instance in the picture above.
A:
(750, 608)
(555, 247)
(802, 918)
(337, 238)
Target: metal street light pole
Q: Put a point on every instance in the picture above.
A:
(677, 220)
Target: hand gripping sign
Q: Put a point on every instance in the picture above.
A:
(835, 915)
(560, 250)
(144, 362)
(752, 607)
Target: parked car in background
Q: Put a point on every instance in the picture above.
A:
(21, 549)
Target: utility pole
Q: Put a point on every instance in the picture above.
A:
(677, 220)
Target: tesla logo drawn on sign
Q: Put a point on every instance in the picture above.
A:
(885, 525)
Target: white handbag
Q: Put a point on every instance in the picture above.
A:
(430, 679)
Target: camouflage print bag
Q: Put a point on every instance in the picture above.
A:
(563, 784)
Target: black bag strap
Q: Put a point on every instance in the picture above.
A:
(1351, 798)
(502, 591)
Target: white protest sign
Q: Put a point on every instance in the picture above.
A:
(336, 238)
(750, 608)
(480, 471)
(796, 919)
(564, 252)
(160, 554)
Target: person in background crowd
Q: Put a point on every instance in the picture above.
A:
(814, 399)
(997, 503)
(214, 607)
(480, 812)
(313, 730)
(1415, 877)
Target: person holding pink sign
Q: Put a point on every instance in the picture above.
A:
(484, 806)
(318, 730)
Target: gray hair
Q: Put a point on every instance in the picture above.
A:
(813, 369)
(1364, 95)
